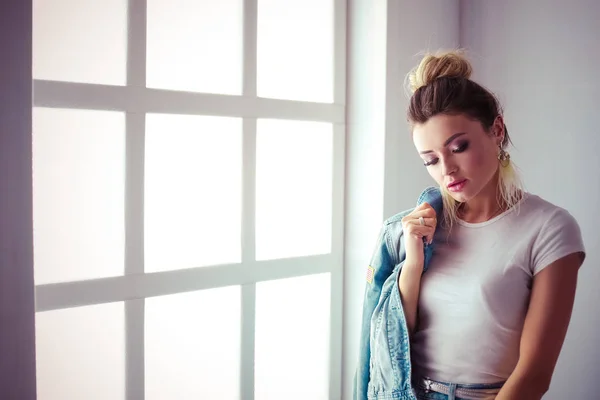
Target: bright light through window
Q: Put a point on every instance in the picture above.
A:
(78, 194)
(122, 167)
(195, 45)
(193, 191)
(295, 49)
(193, 345)
(293, 188)
(292, 338)
(80, 40)
(80, 353)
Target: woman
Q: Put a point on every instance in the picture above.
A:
(489, 317)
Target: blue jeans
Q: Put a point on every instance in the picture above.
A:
(483, 391)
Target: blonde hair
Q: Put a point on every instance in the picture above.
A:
(441, 84)
(450, 63)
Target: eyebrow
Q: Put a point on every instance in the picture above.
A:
(447, 142)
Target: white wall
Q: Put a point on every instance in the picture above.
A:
(365, 150)
(413, 28)
(542, 59)
(384, 174)
(17, 340)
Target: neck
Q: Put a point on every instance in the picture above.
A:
(485, 206)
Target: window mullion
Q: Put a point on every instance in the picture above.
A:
(248, 305)
(134, 203)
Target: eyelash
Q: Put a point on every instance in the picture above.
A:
(461, 148)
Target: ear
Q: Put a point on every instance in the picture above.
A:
(498, 130)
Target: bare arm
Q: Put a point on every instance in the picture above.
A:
(410, 286)
(418, 226)
(548, 316)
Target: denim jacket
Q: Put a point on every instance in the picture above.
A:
(384, 365)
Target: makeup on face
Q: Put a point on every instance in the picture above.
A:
(457, 186)
(458, 146)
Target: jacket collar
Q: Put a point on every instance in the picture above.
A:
(433, 196)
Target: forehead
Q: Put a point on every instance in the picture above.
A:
(433, 133)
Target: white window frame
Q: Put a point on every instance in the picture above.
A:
(134, 286)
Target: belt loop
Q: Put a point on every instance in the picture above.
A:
(452, 391)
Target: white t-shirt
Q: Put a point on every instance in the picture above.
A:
(475, 294)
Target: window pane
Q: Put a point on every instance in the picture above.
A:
(293, 186)
(80, 40)
(193, 345)
(81, 353)
(295, 49)
(292, 338)
(195, 45)
(193, 191)
(78, 194)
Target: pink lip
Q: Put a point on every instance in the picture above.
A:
(457, 186)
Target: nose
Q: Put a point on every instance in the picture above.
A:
(448, 166)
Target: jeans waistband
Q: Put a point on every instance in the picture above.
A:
(467, 391)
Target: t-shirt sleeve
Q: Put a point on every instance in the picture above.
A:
(559, 237)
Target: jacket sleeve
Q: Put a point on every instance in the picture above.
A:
(379, 269)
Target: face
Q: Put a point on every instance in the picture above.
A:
(459, 154)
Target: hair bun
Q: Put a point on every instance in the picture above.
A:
(442, 64)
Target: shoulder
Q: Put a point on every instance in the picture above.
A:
(391, 230)
(545, 213)
(557, 232)
(430, 195)
(392, 226)
(397, 218)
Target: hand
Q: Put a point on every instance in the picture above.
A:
(415, 229)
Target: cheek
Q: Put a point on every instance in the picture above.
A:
(436, 174)
(478, 160)
(482, 163)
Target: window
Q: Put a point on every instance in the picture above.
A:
(188, 169)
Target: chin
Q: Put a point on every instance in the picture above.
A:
(460, 197)
(463, 196)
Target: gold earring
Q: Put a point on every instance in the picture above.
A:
(504, 157)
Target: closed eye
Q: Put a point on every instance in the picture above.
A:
(431, 162)
(461, 147)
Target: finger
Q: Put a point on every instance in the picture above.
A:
(427, 221)
(415, 228)
(426, 237)
(427, 212)
(423, 206)
(430, 236)
(427, 234)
